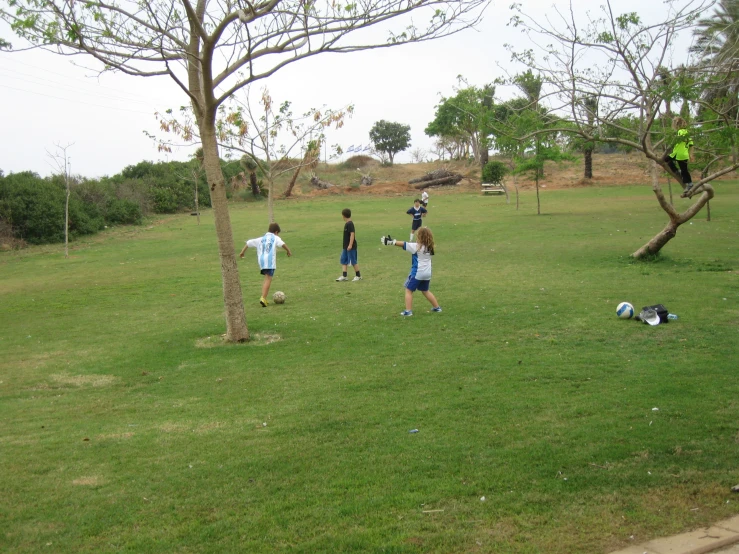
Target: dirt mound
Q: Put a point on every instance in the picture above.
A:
(608, 170)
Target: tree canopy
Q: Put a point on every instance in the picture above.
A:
(390, 138)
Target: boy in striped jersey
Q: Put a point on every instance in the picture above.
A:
(267, 256)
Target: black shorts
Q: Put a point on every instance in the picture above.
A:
(416, 224)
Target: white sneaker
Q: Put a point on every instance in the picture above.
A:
(342, 278)
(356, 278)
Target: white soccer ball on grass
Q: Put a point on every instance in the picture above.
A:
(625, 310)
(279, 297)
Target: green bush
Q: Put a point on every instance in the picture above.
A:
(34, 208)
(494, 172)
(123, 212)
(164, 200)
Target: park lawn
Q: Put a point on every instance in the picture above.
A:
(545, 423)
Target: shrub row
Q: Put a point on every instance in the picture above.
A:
(32, 207)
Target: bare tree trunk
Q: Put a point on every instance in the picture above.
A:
(538, 203)
(236, 329)
(66, 221)
(254, 184)
(588, 156)
(195, 178)
(293, 179)
(708, 211)
(270, 197)
(197, 204)
(676, 219)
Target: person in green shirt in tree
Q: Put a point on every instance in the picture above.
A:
(681, 153)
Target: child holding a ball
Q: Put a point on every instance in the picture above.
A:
(420, 276)
(267, 256)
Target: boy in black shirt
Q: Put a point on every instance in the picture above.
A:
(349, 251)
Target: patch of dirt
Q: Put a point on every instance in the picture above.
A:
(608, 170)
(256, 339)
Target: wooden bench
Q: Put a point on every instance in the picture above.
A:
(490, 187)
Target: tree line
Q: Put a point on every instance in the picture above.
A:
(32, 207)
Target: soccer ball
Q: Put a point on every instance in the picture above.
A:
(279, 298)
(624, 310)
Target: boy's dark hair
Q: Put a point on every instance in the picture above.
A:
(417, 200)
(346, 212)
(274, 228)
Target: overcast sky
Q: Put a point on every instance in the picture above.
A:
(47, 100)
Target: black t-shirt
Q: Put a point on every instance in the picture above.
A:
(348, 230)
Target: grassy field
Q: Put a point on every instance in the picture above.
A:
(545, 423)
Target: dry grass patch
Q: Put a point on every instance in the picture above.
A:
(256, 339)
(173, 427)
(84, 380)
(115, 436)
(89, 481)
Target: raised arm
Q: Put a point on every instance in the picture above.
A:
(390, 241)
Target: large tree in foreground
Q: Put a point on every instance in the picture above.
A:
(611, 70)
(213, 49)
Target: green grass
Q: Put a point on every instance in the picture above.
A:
(126, 426)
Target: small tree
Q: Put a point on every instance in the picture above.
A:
(390, 138)
(494, 173)
(63, 164)
(267, 135)
(250, 167)
(533, 163)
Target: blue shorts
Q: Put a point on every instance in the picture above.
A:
(269, 272)
(416, 225)
(413, 284)
(349, 257)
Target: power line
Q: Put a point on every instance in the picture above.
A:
(76, 101)
(10, 57)
(62, 87)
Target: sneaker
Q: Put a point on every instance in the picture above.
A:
(263, 302)
(357, 278)
(406, 313)
(437, 309)
(342, 278)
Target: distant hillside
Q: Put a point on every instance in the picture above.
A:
(608, 169)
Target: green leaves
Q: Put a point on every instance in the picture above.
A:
(390, 137)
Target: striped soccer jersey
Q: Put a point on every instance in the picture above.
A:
(266, 250)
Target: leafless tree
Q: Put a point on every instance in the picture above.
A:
(212, 49)
(604, 80)
(61, 161)
(418, 155)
